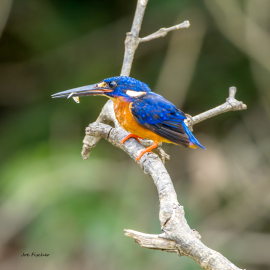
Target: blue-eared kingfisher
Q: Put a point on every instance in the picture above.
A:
(140, 111)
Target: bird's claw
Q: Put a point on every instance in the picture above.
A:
(148, 149)
(131, 136)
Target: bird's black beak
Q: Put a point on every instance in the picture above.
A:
(89, 90)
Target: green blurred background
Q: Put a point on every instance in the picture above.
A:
(51, 201)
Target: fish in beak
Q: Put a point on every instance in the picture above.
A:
(89, 90)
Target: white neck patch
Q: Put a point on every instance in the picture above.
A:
(132, 93)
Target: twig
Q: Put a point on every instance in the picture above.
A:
(177, 236)
(231, 104)
(162, 32)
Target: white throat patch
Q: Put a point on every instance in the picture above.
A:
(132, 93)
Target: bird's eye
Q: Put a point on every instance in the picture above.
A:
(113, 84)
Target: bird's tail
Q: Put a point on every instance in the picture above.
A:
(193, 142)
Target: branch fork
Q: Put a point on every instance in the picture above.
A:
(176, 236)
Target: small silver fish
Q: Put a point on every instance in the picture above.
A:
(76, 99)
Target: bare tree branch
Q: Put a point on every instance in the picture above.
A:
(162, 32)
(171, 215)
(132, 39)
(177, 236)
(231, 104)
(131, 44)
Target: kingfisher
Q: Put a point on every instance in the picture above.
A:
(143, 113)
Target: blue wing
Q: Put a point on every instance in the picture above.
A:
(162, 117)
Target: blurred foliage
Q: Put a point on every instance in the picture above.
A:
(51, 201)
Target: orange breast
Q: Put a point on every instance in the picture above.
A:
(125, 118)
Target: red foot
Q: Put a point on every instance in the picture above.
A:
(131, 136)
(148, 149)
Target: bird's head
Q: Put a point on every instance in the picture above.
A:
(115, 87)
